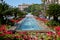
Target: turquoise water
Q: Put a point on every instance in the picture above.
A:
(29, 23)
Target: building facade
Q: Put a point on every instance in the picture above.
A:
(52, 1)
(47, 2)
(21, 7)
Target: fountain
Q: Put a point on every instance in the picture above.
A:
(29, 23)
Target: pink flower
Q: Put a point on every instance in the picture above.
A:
(25, 37)
(36, 38)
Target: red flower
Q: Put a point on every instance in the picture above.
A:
(42, 19)
(3, 28)
(2, 34)
(58, 33)
(22, 32)
(17, 36)
(12, 20)
(49, 33)
(25, 37)
(57, 28)
(8, 32)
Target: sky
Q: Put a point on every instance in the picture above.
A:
(18, 2)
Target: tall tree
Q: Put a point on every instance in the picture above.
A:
(54, 10)
(3, 7)
(34, 9)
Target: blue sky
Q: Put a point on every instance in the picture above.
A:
(17, 2)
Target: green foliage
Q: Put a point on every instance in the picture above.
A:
(3, 7)
(53, 10)
(21, 14)
(36, 13)
(43, 0)
(17, 39)
(8, 36)
(53, 23)
(34, 9)
(6, 10)
(1, 37)
(17, 12)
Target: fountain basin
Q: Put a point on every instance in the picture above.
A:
(29, 23)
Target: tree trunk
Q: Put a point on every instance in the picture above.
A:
(49, 17)
(1, 19)
(55, 18)
(15, 14)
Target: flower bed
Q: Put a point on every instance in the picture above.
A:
(24, 35)
(12, 35)
(43, 19)
(15, 21)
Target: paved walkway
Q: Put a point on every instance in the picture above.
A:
(12, 28)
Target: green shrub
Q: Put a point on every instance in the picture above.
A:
(17, 39)
(1, 37)
(53, 23)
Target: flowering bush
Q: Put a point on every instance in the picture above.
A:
(53, 23)
(8, 35)
(15, 21)
(26, 35)
(57, 28)
(43, 19)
